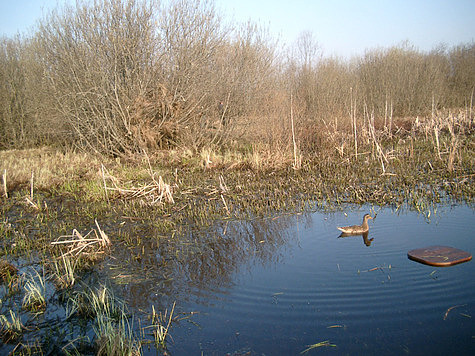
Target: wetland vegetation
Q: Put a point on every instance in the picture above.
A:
(114, 142)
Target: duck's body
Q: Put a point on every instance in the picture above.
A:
(357, 229)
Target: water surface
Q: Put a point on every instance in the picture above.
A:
(274, 286)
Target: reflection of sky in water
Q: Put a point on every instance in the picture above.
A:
(310, 280)
(274, 286)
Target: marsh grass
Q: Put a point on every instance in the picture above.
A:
(114, 335)
(11, 328)
(50, 168)
(35, 292)
(397, 162)
(160, 326)
(64, 271)
(92, 302)
(154, 192)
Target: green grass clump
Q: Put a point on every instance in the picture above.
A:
(160, 327)
(115, 337)
(11, 328)
(113, 333)
(35, 292)
(64, 271)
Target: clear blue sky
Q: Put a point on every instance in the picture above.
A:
(342, 27)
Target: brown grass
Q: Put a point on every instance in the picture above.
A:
(50, 167)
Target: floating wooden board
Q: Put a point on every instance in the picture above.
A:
(440, 256)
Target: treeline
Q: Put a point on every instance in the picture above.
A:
(117, 77)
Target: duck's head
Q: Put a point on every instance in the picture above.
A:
(366, 217)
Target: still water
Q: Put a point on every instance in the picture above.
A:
(274, 286)
(308, 285)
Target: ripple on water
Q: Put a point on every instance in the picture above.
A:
(322, 281)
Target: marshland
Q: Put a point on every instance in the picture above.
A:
(171, 183)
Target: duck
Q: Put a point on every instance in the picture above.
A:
(357, 229)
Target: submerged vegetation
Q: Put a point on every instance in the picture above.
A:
(108, 153)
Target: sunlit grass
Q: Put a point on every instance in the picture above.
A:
(115, 337)
(93, 302)
(35, 292)
(64, 270)
(11, 328)
(51, 167)
(160, 326)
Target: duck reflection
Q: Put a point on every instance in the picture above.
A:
(366, 240)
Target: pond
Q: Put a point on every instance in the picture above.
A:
(277, 285)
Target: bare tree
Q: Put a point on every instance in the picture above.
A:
(97, 60)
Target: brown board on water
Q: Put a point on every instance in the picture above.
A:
(440, 256)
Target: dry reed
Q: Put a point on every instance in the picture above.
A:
(78, 244)
(151, 193)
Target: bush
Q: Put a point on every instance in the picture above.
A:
(118, 77)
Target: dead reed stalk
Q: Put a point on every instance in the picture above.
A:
(31, 184)
(379, 150)
(454, 140)
(104, 182)
(297, 158)
(155, 192)
(353, 120)
(4, 179)
(78, 244)
(436, 134)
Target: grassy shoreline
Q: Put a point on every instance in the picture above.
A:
(179, 187)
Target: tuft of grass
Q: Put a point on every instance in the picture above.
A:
(114, 335)
(64, 271)
(93, 302)
(11, 329)
(35, 292)
(161, 325)
(115, 338)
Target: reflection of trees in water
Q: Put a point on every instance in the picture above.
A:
(197, 264)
